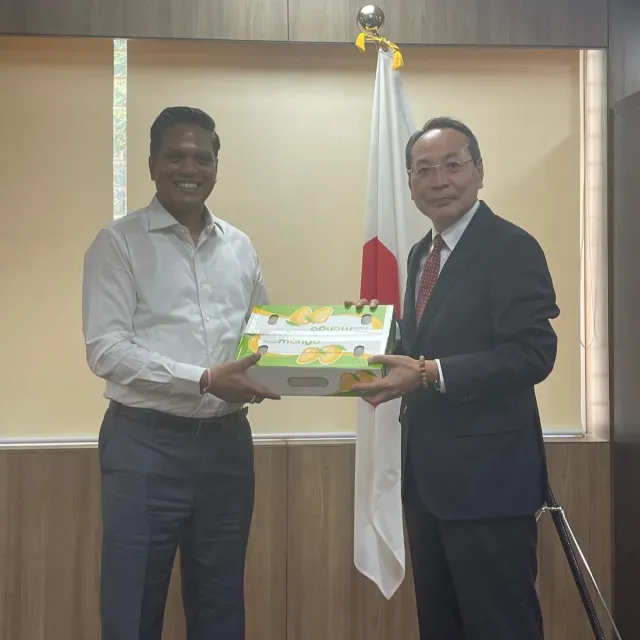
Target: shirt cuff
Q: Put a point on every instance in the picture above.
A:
(439, 383)
(186, 378)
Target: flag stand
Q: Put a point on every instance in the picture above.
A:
(568, 540)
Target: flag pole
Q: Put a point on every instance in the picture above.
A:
(379, 542)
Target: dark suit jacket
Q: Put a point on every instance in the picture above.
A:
(477, 450)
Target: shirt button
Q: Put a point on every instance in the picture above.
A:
(208, 318)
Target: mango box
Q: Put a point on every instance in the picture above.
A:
(316, 350)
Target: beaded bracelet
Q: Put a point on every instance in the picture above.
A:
(423, 373)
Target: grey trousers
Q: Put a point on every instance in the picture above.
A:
(169, 483)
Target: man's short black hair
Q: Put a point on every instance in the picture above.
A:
(445, 122)
(182, 115)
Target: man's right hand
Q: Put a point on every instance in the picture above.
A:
(231, 383)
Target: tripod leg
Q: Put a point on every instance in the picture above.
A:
(566, 536)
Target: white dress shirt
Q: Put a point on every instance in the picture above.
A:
(157, 310)
(450, 237)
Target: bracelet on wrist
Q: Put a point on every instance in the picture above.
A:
(423, 372)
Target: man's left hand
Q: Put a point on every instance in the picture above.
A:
(362, 303)
(403, 377)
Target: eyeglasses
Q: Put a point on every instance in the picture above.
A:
(449, 168)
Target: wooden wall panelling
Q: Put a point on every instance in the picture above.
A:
(266, 575)
(328, 598)
(580, 477)
(187, 19)
(575, 23)
(50, 544)
(624, 49)
(301, 581)
(320, 542)
(624, 100)
(625, 360)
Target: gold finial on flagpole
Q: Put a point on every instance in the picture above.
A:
(370, 20)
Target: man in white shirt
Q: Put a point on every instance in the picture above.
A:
(166, 295)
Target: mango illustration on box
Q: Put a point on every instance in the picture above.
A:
(305, 315)
(347, 380)
(317, 350)
(326, 355)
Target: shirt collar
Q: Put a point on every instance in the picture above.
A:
(160, 218)
(451, 236)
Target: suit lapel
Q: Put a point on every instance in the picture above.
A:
(472, 241)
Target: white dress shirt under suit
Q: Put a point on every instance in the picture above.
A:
(158, 310)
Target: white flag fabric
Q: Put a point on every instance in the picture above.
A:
(392, 226)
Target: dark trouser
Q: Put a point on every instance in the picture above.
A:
(166, 483)
(474, 580)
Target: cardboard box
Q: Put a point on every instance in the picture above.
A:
(317, 350)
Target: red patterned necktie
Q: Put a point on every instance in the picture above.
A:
(430, 274)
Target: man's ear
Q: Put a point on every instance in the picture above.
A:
(480, 168)
(152, 168)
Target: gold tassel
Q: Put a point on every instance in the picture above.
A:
(398, 61)
(361, 43)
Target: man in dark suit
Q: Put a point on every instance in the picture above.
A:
(475, 339)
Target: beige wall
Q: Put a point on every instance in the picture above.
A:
(55, 181)
(294, 122)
